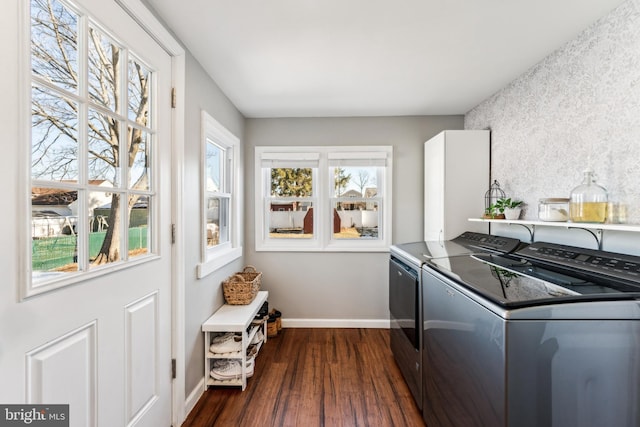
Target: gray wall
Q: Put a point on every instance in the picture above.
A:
(341, 285)
(544, 123)
(202, 296)
(579, 106)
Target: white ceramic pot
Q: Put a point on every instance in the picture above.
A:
(512, 213)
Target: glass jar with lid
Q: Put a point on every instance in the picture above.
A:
(553, 209)
(588, 201)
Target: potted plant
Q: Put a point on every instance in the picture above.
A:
(511, 208)
(503, 208)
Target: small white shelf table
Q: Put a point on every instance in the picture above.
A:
(233, 318)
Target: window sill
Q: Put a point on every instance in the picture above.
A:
(327, 249)
(217, 262)
(49, 282)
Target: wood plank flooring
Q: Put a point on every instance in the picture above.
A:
(316, 377)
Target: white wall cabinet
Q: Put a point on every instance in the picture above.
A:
(238, 319)
(456, 178)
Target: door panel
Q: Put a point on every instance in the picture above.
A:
(64, 371)
(102, 345)
(141, 369)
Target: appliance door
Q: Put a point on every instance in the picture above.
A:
(463, 357)
(405, 316)
(404, 288)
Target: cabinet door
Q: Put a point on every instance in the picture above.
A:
(466, 181)
(434, 187)
(456, 177)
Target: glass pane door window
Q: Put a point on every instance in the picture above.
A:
(92, 145)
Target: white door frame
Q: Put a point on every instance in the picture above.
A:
(148, 21)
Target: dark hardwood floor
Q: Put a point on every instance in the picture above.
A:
(316, 377)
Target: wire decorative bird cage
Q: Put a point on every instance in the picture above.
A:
(493, 194)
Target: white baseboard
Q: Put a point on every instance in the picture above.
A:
(193, 397)
(336, 323)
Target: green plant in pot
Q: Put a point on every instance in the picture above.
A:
(510, 208)
(504, 208)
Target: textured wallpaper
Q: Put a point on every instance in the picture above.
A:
(578, 108)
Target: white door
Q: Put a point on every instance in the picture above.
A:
(90, 328)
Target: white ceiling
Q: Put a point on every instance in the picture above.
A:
(306, 58)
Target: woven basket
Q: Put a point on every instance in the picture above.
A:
(250, 274)
(241, 288)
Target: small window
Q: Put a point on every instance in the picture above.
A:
(323, 198)
(220, 196)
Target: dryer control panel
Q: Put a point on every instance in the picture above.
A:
(488, 241)
(590, 261)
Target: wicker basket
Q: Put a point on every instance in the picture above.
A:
(241, 288)
(250, 274)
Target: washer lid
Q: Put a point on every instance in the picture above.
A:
(514, 283)
(419, 252)
(465, 244)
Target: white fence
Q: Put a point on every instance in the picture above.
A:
(358, 219)
(53, 226)
(348, 219)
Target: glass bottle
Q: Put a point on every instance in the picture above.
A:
(588, 201)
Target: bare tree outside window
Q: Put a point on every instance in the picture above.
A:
(90, 126)
(362, 180)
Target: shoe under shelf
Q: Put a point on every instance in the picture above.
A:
(239, 319)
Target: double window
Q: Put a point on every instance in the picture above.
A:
(323, 198)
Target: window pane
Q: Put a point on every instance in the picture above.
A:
(290, 210)
(139, 241)
(292, 182)
(54, 43)
(217, 221)
(356, 210)
(355, 181)
(105, 244)
(103, 145)
(290, 219)
(138, 151)
(358, 222)
(214, 167)
(138, 89)
(104, 68)
(53, 232)
(54, 136)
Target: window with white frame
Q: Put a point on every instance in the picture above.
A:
(323, 198)
(93, 141)
(220, 196)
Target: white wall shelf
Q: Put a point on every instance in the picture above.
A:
(238, 319)
(594, 229)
